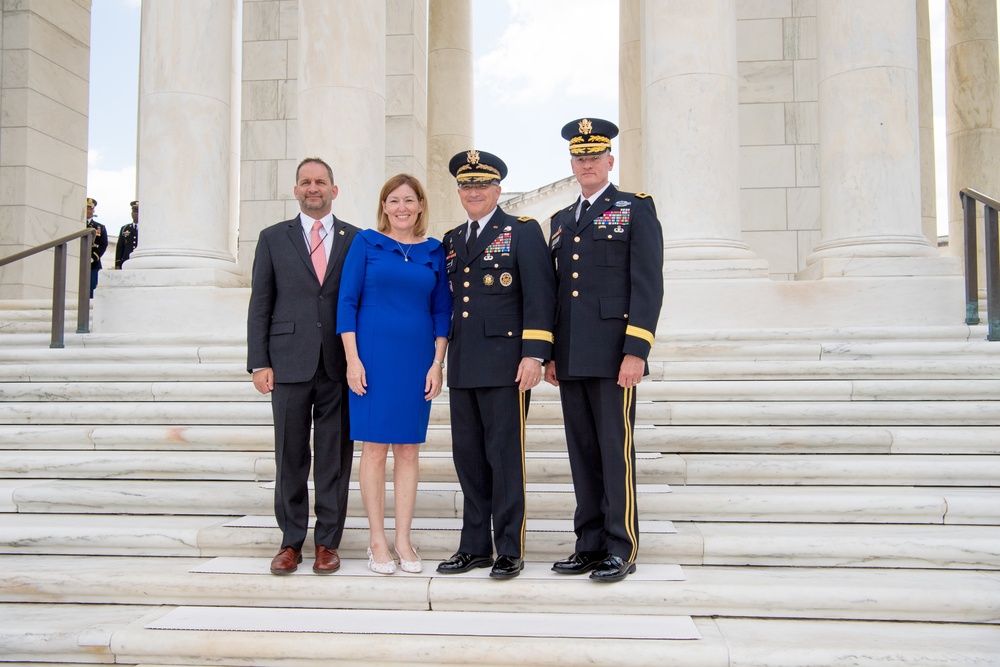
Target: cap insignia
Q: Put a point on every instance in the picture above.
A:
(586, 127)
(473, 156)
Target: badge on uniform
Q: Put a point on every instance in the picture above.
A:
(622, 203)
(506, 279)
(488, 279)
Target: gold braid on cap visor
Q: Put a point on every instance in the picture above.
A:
(481, 172)
(591, 143)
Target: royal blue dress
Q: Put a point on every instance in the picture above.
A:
(396, 299)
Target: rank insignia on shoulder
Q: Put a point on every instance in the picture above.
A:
(643, 195)
(622, 202)
(525, 218)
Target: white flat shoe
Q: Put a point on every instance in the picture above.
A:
(411, 566)
(380, 568)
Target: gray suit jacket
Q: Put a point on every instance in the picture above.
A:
(291, 316)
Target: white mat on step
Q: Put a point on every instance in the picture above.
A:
(358, 567)
(441, 623)
(534, 525)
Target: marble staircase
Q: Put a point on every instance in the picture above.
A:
(808, 497)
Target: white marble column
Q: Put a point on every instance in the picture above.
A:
(972, 95)
(449, 105)
(869, 134)
(185, 135)
(629, 164)
(342, 71)
(690, 131)
(928, 187)
(183, 276)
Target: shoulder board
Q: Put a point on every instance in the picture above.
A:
(555, 214)
(643, 195)
(525, 218)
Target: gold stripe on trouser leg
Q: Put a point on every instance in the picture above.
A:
(630, 509)
(522, 401)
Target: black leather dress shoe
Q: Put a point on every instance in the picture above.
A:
(612, 568)
(579, 562)
(463, 562)
(507, 567)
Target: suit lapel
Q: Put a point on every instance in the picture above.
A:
(339, 244)
(596, 210)
(299, 241)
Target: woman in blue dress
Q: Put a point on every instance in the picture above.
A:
(393, 315)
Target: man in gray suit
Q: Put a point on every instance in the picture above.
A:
(295, 355)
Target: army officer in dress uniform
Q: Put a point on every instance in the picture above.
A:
(99, 245)
(128, 238)
(607, 249)
(504, 290)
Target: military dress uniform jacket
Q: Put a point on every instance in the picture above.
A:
(504, 293)
(128, 239)
(609, 273)
(99, 245)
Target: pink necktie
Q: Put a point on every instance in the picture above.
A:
(318, 251)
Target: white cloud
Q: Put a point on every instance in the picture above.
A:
(113, 190)
(550, 50)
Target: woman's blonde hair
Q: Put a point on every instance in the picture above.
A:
(420, 226)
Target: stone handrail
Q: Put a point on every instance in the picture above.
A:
(61, 246)
(969, 198)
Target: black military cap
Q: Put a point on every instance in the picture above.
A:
(91, 202)
(134, 205)
(589, 136)
(474, 166)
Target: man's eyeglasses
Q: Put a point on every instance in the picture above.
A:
(475, 186)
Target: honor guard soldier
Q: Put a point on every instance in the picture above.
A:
(607, 249)
(504, 290)
(128, 237)
(99, 245)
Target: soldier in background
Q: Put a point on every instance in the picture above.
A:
(128, 237)
(99, 246)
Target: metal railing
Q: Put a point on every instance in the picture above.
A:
(61, 245)
(969, 198)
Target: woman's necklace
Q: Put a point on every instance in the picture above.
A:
(406, 253)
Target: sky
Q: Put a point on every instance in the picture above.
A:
(531, 77)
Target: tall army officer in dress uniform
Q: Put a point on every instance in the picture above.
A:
(99, 245)
(504, 290)
(607, 249)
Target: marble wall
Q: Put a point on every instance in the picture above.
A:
(779, 131)
(44, 99)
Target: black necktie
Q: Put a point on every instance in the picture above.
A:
(469, 242)
(583, 208)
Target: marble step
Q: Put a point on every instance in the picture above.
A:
(95, 369)
(693, 543)
(801, 390)
(802, 504)
(711, 438)
(69, 634)
(435, 466)
(542, 466)
(945, 596)
(693, 413)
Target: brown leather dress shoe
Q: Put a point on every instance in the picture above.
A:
(286, 562)
(327, 561)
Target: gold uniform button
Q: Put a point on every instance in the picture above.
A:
(466, 283)
(466, 269)
(510, 333)
(576, 257)
(576, 239)
(576, 275)
(626, 316)
(465, 313)
(610, 237)
(575, 293)
(466, 299)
